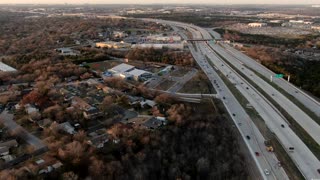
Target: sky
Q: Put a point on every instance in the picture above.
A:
(160, 1)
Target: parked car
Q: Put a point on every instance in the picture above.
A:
(248, 137)
(266, 171)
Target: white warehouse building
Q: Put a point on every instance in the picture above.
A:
(257, 24)
(138, 74)
(121, 68)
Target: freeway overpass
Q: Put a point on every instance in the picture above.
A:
(192, 40)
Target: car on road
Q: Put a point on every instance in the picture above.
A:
(318, 171)
(257, 153)
(291, 149)
(266, 171)
(282, 125)
(248, 137)
(233, 114)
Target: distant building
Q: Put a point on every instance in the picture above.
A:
(119, 34)
(257, 24)
(6, 68)
(113, 44)
(66, 51)
(296, 21)
(163, 38)
(276, 21)
(316, 28)
(160, 46)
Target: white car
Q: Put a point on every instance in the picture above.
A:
(266, 171)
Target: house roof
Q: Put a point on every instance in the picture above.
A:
(30, 108)
(77, 101)
(44, 122)
(99, 139)
(9, 143)
(66, 126)
(4, 150)
(4, 67)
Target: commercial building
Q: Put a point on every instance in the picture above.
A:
(138, 74)
(316, 28)
(113, 44)
(163, 38)
(66, 51)
(6, 68)
(126, 71)
(257, 24)
(121, 68)
(160, 46)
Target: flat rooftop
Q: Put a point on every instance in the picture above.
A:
(138, 72)
(121, 68)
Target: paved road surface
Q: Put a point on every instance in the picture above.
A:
(311, 127)
(304, 159)
(7, 119)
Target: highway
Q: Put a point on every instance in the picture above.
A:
(255, 143)
(304, 159)
(302, 156)
(299, 94)
(293, 110)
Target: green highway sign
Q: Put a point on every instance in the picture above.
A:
(279, 76)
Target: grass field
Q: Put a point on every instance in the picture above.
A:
(103, 65)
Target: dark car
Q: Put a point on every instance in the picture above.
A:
(282, 125)
(248, 137)
(257, 153)
(318, 171)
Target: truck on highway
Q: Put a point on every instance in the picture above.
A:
(268, 145)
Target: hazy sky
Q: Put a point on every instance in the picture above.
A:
(160, 1)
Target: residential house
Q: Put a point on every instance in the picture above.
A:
(99, 140)
(66, 126)
(5, 146)
(44, 123)
(4, 151)
(92, 113)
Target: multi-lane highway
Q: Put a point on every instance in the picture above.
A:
(293, 110)
(302, 156)
(265, 161)
(299, 94)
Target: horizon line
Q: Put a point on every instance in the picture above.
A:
(154, 4)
